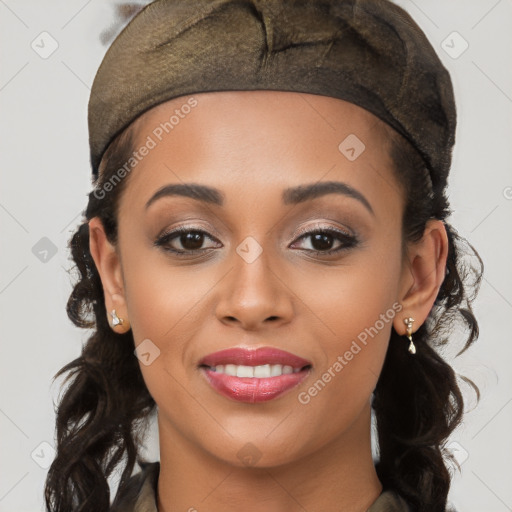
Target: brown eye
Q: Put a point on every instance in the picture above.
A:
(327, 241)
(322, 241)
(185, 241)
(191, 241)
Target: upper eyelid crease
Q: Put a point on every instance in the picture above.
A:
(292, 195)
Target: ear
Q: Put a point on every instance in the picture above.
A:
(108, 263)
(423, 273)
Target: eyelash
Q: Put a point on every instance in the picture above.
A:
(348, 241)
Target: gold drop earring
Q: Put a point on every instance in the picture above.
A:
(408, 322)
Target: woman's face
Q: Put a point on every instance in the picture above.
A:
(317, 274)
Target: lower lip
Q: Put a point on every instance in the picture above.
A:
(252, 389)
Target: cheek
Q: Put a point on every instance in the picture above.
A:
(350, 298)
(165, 303)
(356, 306)
(167, 306)
(161, 297)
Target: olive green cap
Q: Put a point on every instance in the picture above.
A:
(368, 52)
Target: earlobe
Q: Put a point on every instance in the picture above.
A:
(423, 274)
(107, 262)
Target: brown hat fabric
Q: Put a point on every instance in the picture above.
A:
(368, 52)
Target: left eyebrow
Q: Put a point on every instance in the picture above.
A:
(303, 193)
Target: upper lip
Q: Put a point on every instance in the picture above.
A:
(253, 357)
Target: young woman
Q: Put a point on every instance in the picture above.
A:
(265, 260)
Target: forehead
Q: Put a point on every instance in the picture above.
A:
(274, 109)
(257, 141)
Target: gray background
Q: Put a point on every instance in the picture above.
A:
(45, 179)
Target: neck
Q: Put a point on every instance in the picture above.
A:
(337, 477)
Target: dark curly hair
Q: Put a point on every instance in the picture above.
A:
(102, 415)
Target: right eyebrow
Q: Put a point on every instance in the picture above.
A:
(193, 190)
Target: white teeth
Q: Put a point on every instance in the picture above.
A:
(245, 371)
(287, 369)
(275, 370)
(260, 372)
(229, 369)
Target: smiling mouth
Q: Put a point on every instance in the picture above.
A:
(254, 384)
(263, 371)
(254, 375)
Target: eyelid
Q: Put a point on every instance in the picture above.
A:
(184, 226)
(301, 231)
(163, 242)
(177, 230)
(318, 226)
(346, 236)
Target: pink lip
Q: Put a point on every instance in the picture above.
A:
(255, 357)
(250, 389)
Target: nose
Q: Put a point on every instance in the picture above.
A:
(254, 295)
